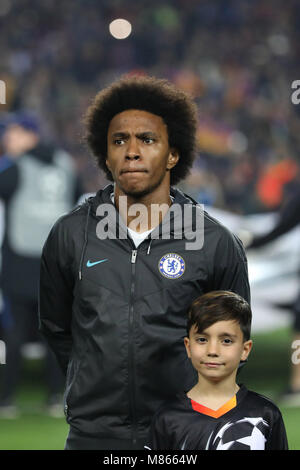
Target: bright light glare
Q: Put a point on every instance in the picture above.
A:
(120, 29)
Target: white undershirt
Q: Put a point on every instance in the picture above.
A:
(137, 237)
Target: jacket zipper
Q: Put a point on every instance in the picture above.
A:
(131, 361)
(66, 407)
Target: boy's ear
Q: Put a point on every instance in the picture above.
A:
(187, 346)
(246, 349)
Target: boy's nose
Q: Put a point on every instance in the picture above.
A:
(212, 349)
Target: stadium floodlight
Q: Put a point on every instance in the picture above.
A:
(120, 28)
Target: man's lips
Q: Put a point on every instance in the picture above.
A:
(133, 170)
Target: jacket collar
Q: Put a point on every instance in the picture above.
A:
(104, 196)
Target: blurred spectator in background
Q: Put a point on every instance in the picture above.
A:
(38, 183)
(289, 218)
(204, 187)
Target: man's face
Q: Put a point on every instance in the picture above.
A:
(217, 351)
(138, 152)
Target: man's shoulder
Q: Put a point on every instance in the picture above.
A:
(218, 235)
(77, 218)
(79, 211)
(211, 223)
(72, 221)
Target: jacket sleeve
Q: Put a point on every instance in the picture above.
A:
(55, 295)
(230, 269)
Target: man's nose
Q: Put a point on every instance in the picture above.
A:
(132, 157)
(132, 150)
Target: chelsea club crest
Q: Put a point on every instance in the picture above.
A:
(171, 266)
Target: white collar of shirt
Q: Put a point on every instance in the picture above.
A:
(137, 237)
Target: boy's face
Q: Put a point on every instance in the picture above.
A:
(217, 351)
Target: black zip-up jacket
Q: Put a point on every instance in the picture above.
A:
(116, 320)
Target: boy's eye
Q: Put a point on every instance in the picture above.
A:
(227, 341)
(201, 340)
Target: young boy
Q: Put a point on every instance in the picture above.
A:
(218, 414)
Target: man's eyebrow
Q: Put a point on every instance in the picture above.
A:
(119, 134)
(146, 133)
(139, 134)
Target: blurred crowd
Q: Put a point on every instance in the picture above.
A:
(237, 58)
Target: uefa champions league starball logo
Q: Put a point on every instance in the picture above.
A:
(171, 266)
(245, 434)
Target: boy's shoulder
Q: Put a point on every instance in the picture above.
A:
(259, 397)
(257, 400)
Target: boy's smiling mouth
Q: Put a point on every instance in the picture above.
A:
(213, 364)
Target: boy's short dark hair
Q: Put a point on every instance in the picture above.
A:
(220, 306)
(157, 96)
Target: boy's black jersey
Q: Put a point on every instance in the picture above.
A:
(248, 421)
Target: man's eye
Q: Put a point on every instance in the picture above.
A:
(148, 140)
(118, 141)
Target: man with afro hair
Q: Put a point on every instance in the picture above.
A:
(115, 287)
(155, 96)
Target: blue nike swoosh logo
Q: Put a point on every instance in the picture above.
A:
(90, 264)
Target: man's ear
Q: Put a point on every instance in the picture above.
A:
(172, 159)
(187, 346)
